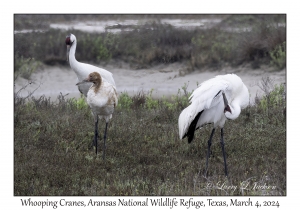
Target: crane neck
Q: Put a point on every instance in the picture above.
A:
(72, 59)
(97, 84)
(235, 110)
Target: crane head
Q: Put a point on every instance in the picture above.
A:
(93, 77)
(227, 107)
(69, 41)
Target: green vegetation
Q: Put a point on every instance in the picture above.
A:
(53, 152)
(278, 56)
(155, 43)
(25, 67)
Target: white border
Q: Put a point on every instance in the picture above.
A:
(8, 201)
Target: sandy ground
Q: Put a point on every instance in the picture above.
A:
(165, 80)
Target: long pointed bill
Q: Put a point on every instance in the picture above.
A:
(225, 99)
(68, 51)
(83, 81)
(227, 107)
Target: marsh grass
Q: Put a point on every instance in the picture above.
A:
(156, 43)
(53, 153)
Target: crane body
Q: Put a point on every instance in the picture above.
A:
(214, 101)
(82, 70)
(102, 99)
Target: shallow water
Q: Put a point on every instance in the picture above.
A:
(128, 24)
(100, 26)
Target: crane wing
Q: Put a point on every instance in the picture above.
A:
(106, 75)
(207, 95)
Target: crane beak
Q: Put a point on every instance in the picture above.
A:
(225, 99)
(227, 107)
(68, 51)
(83, 81)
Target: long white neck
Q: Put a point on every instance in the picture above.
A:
(73, 62)
(235, 110)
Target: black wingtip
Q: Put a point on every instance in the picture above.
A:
(192, 128)
(191, 137)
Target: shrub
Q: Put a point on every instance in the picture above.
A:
(154, 43)
(274, 98)
(124, 101)
(256, 45)
(150, 102)
(138, 100)
(25, 67)
(79, 103)
(278, 56)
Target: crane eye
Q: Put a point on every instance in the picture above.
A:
(69, 41)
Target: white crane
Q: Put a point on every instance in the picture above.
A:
(82, 70)
(102, 99)
(214, 101)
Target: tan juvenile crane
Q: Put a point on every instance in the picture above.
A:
(102, 99)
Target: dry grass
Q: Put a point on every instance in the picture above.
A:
(53, 152)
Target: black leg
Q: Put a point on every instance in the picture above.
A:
(223, 149)
(104, 146)
(208, 148)
(96, 135)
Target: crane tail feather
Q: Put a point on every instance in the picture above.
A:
(192, 128)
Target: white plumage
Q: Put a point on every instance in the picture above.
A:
(214, 101)
(82, 70)
(102, 99)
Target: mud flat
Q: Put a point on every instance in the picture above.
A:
(163, 80)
